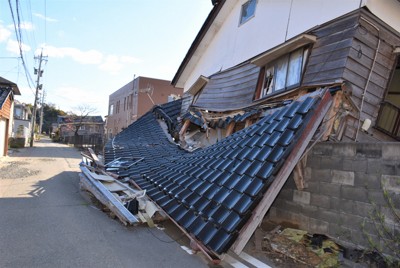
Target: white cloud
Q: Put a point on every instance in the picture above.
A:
(84, 57)
(13, 47)
(25, 25)
(113, 64)
(108, 63)
(129, 59)
(40, 16)
(4, 34)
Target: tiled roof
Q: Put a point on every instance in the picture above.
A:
(211, 192)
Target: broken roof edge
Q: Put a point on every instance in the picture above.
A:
(263, 206)
(274, 99)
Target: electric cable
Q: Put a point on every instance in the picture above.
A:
(167, 242)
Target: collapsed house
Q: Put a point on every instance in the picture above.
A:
(229, 146)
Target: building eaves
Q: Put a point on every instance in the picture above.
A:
(5, 82)
(203, 30)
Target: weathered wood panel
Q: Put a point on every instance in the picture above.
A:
(5, 111)
(329, 54)
(229, 90)
(337, 26)
(369, 69)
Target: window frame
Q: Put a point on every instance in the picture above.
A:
(243, 20)
(261, 91)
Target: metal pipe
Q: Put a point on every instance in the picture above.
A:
(369, 76)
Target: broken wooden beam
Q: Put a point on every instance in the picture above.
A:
(106, 197)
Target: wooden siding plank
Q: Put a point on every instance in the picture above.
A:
(332, 47)
(333, 55)
(360, 70)
(338, 26)
(382, 70)
(334, 64)
(323, 76)
(230, 89)
(235, 71)
(385, 32)
(335, 37)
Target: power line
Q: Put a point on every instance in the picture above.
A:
(19, 40)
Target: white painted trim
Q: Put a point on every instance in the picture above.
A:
(284, 48)
(199, 84)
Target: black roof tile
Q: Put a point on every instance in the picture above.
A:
(210, 192)
(243, 205)
(276, 154)
(242, 184)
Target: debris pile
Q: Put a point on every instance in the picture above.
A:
(309, 249)
(131, 206)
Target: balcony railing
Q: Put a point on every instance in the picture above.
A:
(389, 119)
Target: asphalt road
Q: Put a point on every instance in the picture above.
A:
(45, 221)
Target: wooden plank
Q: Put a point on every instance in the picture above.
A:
(235, 71)
(113, 187)
(95, 158)
(230, 128)
(337, 26)
(102, 177)
(333, 55)
(382, 70)
(330, 65)
(340, 44)
(323, 76)
(335, 37)
(106, 197)
(272, 192)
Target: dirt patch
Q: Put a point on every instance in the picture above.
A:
(16, 170)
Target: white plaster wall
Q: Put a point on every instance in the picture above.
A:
(233, 44)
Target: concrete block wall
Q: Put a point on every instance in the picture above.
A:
(343, 186)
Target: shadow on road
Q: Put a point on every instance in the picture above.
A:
(50, 224)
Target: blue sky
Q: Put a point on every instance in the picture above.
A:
(94, 47)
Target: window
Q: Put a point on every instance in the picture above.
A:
(388, 120)
(248, 11)
(283, 73)
(111, 111)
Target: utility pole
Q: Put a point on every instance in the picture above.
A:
(39, 73)
(41, 111)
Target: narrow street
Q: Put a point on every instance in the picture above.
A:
(45, 221)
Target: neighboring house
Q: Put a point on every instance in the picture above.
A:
(88, 126)
(264, 83)
(7, 91)
(136, 98)
(22, 122)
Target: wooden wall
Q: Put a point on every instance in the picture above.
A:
(5, 111)
(231, 89)
(369, 73)
(329, 54)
